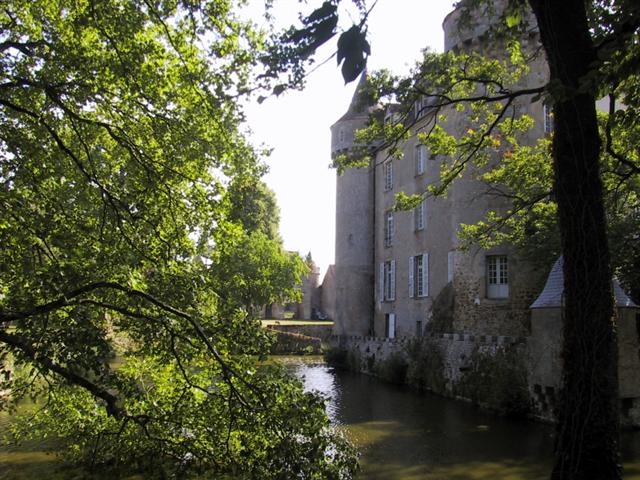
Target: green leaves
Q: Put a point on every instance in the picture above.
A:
(292, 52)
(353, 50)
(205, 429)
(253, 270)
(513, 18)
(319, 28)
(134, 223)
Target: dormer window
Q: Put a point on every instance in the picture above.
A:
(390, 117)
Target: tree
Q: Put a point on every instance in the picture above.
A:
(254, 205)
(592, 51)
(587, 437)
(256, 271)
(120, 132)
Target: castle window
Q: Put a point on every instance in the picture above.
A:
(548, 118)
(420, 159)
(451, 258)
(419, 276)
(390, 117)
(390, 325)
(388, 175)
(419, 216)
(497, 276)
(420, 107)
(341, 136)
(388, 229)
(388, 281)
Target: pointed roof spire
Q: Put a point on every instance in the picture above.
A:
(359, 105)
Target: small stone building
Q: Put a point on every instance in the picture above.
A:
(545, 345)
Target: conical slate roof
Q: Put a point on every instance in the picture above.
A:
(553, 291)
(357, 107)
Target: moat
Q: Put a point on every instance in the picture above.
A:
(402, 434)
(406, 435)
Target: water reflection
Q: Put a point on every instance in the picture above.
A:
(319, 378)
(406, 435)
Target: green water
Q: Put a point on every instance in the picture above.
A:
(404, 435)
(401, 435)
(26, 461)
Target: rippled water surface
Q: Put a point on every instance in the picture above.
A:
(406, 435)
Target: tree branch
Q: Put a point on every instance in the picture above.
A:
(69, 299)
(633, 168)
(24, 47)
(26, 347)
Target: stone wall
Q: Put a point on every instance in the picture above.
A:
(300, 339)
(290, 343)
(496, 372)
(488, 370)
(321, 331)
(474, 312)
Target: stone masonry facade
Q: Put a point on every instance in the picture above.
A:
(409, 301)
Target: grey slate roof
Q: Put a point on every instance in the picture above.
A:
(552, 293)
(357, 107)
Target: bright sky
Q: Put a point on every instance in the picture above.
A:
(296, 124)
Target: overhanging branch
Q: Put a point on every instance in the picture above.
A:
(75, 297)
(633, 169)
(26, 347)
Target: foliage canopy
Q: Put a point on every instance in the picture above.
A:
(124, 184)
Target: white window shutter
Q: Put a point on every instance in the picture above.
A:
(425, 274)
(423, 213)
(392, 288)
(392, 326)
(381, 283)
(411, 268)
(450, 265)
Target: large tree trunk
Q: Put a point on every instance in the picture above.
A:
(588, 428)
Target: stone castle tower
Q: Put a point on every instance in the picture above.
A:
(408, 274)
(391, 267)
(354, 272)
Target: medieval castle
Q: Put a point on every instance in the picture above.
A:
(401, 276)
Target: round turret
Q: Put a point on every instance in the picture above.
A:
(343, 131)
(354, 226)
(468, 33)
